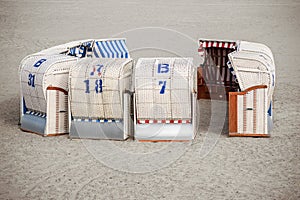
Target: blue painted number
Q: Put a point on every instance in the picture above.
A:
(87, 86)
(38, 63)
(31, 78)
(163, 68)
(163, 83)
(98, 86)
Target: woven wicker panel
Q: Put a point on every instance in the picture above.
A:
(156, 92)
(99, 101)
(38, 72)
(181, 96)
(162, 111)
(142, 68)
(181, 111)
(144, 96)
(258, 48)
(145, 111)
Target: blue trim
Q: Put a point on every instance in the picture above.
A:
(96, 55)
(24, 106)
(94, 120)
(37, 114)
(270, 109)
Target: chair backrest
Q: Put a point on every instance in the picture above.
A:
(97, 86)
(163, 89)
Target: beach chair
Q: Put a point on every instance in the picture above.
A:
(215, 79)
(44, 82)
(254, 68)
(165, 99)
(44, 93)
(100, 98)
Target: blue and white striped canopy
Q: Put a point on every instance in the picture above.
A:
(106, 48)
(115, 48)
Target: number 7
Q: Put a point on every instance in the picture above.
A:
(162, 91)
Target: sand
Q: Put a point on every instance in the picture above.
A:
(213, 166)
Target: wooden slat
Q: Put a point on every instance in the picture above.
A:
(248, 135)
(57, 112)
(254, 110)
(232, 113)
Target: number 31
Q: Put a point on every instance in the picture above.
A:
(31, 78)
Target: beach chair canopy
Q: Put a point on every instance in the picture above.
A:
(96, 48)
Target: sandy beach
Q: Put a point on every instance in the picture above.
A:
(213, 166)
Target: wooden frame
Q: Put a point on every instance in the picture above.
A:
(233, 114)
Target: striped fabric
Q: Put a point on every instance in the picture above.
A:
(148, 121)
(38, 114)
(218, 44)
(97, 120)
(111, 49)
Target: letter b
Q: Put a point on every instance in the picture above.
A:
(163, 68)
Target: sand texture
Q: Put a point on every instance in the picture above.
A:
(214, 166)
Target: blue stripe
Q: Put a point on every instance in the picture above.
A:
(96, 55)
(112, 45)
(24, 106)
(124, 50)
(101, 52)
(113, 55)
(270, 109)
(104, 49)
(97, 120)
(126, 54)
(119, 48)
(38, 114)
